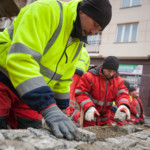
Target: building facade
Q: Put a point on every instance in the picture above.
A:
(128, 38)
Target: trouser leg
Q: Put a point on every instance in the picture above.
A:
(5, 106)
(20, 116)
(3, 122)
(24, 116)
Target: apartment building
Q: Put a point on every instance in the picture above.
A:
(128, 38)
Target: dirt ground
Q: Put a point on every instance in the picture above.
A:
(104, 132)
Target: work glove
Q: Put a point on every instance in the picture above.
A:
(124, 109)
(90, 114)
(137, 116)
(60, 124)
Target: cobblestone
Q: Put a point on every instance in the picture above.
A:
(42, 139)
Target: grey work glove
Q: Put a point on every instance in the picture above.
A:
(60, 124)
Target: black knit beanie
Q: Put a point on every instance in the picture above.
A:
(111, 63)
(132, 89)
(127, 84)
(99, 10)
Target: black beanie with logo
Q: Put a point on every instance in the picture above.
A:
(111, 63)
(98, 10)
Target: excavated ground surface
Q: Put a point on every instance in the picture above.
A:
(104, 132)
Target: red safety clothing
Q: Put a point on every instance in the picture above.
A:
(16, 113)
(82, 66)
(95, 90)
(71, 108)
(134, 104)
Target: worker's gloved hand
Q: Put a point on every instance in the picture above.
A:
(90, 114)
(60, 124)
(124, 109)
(137, 116)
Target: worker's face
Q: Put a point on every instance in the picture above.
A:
(109, 73)
(88, 25)
(133, 94)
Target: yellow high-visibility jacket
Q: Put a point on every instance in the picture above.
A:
(35, 55)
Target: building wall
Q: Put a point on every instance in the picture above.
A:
(137, 50)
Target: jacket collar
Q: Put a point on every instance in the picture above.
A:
(99, 71)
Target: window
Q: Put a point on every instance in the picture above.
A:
(130, 3)
(94, 39)
(127, 33)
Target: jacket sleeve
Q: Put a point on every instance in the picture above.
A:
(82, 92)
(142, 111)
(133, 107)
(62, 87)
(122, 96)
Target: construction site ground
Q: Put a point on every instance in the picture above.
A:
(104, 132)
(129, 137)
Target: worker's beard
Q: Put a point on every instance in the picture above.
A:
(108, 77)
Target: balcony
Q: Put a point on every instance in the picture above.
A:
(93, 46)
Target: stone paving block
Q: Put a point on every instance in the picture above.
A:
(133, 138)
(123, 142)
(144, 143)
(87, 136)
(147, 125)
(128, 145)
(16, 134)
(15, 145)
(41, 143)
(120, 116)
(1, 136)
(70, 144)
(137, 129)
(146, 132)
(139, 147)
(139, 141)
(91, 147)
(104, 145)
(148, 139)
(127, 129)
(140, 135)
(41, 132)
(68, 149)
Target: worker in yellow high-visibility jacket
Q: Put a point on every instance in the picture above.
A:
(38, 53)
